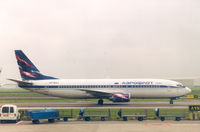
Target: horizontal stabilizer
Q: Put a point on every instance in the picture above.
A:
(20, 82)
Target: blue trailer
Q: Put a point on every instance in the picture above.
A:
(37, 115)
(50, 114)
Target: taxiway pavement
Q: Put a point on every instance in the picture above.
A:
(81, 104)
(106, 126)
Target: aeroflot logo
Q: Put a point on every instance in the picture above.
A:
(28, 74)
(23, 61)
(138, 83)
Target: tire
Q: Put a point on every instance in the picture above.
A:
(87, 118)
(3, 121)
(102, 118)
(35, 121)
(124, 118)
(65, 119)
(100, 102)
(178, 118)
(162, 118)
(51, 120)
(140, 118)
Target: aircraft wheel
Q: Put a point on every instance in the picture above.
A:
(171, 101)
(100, 102)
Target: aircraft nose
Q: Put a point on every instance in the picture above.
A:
(188, 90)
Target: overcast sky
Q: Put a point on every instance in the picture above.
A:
(102, 38)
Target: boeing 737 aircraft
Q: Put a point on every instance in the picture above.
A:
(116, 90)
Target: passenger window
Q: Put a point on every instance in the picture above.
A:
(11, 110)
(5, 110)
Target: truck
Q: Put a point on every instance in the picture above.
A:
(9, 113)
(50, 114)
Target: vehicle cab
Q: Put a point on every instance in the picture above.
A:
(9, 113)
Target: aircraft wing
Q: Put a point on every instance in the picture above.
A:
(115, 96)
(100, 93)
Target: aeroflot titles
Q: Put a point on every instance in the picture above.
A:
(134, 83)
(138, 83)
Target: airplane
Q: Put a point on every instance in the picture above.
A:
(116, 90)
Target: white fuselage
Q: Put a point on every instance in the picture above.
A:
(138, 88)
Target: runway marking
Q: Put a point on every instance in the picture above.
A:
(11, 124)
(19, 123)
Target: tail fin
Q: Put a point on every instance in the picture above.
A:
(27, 69)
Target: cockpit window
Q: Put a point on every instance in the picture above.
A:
(180, 85)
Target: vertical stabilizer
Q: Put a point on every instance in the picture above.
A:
(28, 70)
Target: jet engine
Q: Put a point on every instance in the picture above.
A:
(120, 97)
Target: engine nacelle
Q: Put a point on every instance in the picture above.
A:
(121, 97)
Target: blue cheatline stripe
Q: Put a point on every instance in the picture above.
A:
(98, 86)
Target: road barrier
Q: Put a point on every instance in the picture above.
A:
(163, 116)
(115, 114)
(100, 113)
(140, 116)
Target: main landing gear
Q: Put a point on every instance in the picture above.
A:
(100, 102)
(171, 101)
